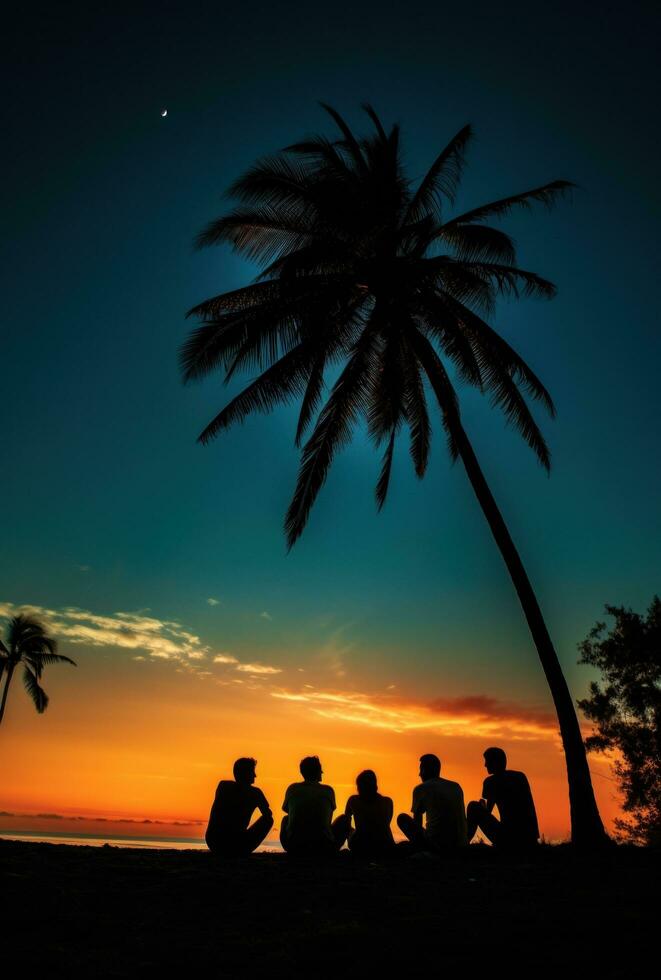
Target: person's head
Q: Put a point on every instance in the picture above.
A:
(310, 768)
(495, 760)
(430, 767)
(366, 783)
(244, 770)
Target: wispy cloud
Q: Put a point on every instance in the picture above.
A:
(213, 602)
(161, 639)
(332, 655)
(258, 669)
(145, 634)
(266, 615)
(478, 715)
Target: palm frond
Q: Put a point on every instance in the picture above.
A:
(506, 395)
(333, 430)
(516, 282)
(37, 693)
(260, 334)
(311, 397)
(438, 319)
(273, 181)
(327, 258)
(441, 180)
(417, 416)
(381, 491)
(502, 370)
(441, 385)
(324, 160)
(547, 195)
(477, 242)
(462, 280)
(381, 133)
(40, 660)
(209, 345)
(279, 384)
(261, 235)
(350, 140)
(237, 300)
(385, 399)
(25, 633)
(489, 346)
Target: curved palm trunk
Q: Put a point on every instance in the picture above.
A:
(10, 671)
(586, 826)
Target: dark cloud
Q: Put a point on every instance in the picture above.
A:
(485, 706)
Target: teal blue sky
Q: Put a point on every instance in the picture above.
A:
(108, 502)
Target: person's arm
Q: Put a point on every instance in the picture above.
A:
(462, 828)
(263, 805)
(285, 805)
(215, 807)
(389, 810)
(485, 801)
(533, 811)
(348, 810)
(417, 808)
(219, 798)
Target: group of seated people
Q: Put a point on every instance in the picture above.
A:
(308, 828)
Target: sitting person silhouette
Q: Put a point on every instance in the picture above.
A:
(443, 803)
(510, 792)
(228, 833)
(307, 829)
(371, 814)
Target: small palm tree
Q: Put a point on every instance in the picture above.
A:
(27, 643)
(366, 273)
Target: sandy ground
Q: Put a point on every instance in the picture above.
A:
(115, 912)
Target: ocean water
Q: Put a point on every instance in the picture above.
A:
(98, 840)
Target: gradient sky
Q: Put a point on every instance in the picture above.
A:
(378, 637)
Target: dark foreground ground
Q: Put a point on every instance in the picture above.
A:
(111, 912)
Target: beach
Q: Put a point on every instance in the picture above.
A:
(120, 912)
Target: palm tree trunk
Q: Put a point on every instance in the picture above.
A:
(587, 829)
(10, 671)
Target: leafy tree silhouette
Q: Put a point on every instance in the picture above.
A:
(626, 711)
(364, 272)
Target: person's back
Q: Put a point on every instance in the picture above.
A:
(442, 800)
(309, 806)
(233, 806)
(441, 803)
(509, 791)
(371, 813)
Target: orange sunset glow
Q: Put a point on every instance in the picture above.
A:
(139, 751)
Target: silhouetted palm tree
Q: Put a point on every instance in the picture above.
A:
(27, 643)
(364, 272)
